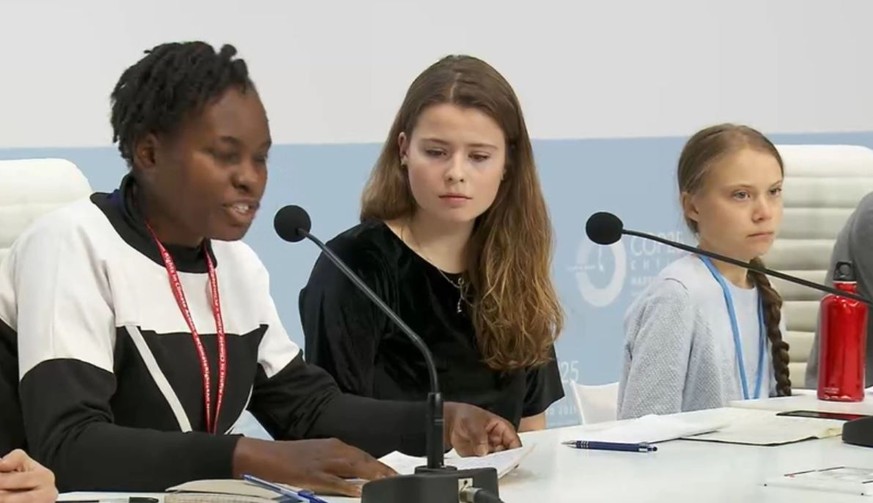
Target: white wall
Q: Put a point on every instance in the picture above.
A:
(335, 71)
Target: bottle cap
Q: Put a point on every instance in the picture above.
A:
(844, 271)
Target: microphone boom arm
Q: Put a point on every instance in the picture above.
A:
(431, 368)
(435, 482)
(435, 419)
(750, 266)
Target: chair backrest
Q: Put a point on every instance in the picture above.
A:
(596, 403)
(823, 184)
(30, 188)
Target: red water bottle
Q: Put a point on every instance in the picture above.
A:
(843, 341)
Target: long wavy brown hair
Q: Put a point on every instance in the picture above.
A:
(515, 309)
(701, 152)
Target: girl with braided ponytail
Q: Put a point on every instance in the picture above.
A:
(706, 332)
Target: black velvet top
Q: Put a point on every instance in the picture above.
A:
(352, 339)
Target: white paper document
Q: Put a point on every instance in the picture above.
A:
(652, 429)
(504, 462)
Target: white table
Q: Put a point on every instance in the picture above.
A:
(807, 400)
(681, 471)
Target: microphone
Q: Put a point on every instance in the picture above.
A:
(434, 482)
(605, 229)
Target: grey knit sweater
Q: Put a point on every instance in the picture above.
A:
(679, 352)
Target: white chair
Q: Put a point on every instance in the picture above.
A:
(30, 188)
(823, 184)
(596, 403)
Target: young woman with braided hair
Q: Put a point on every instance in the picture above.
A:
(706, 332)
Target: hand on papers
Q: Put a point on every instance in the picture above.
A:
(504, 461)
(24, 480)
(476, 432)
(317, 465)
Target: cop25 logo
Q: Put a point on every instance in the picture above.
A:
(600, 272)
(603, 272)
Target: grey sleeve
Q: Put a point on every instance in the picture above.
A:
(854, 243)
(659, 330)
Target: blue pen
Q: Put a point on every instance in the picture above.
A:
(611, 446)
(302, 496)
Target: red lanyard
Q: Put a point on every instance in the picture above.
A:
(176, 286)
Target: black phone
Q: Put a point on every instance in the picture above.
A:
(842, 416)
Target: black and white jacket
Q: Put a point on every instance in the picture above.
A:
(110, 383)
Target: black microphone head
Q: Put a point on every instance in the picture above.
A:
(290, 221)
(604, 228)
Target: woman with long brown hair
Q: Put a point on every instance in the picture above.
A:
(455, 236)
(707, 332)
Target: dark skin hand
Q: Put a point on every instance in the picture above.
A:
(318, 465)
(323, 465)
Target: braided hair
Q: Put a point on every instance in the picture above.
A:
(171, 83)
(772, 316)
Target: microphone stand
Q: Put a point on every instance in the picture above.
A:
(435, 482)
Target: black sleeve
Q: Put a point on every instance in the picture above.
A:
(66, 333)
(69, 427)
(860, 246)
(294, 400)
(303, 401)
(341, 326)
(11, 428)
(544, 387)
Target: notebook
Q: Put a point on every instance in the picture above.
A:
(763, 427)
(223, 491)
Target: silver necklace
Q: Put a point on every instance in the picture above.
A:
(459, 285)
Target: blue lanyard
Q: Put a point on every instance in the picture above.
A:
(729, 301)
